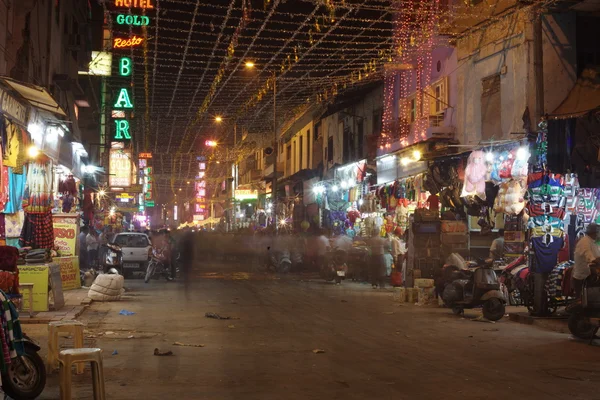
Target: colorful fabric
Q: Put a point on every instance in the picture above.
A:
(546, 250)
(545, 220)
(37, 231)
(546, 189)
(16, 189)
(537, 209)
(13, 223)
(38, 190)
(552, 200)
(554, 283)
(546, 230)
(537, 179)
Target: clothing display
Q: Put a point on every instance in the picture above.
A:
(554, 283)
(38, 189)
(37, 231)
(545, 249)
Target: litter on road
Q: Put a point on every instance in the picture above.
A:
(126, 312)
(114, 353)
(187, 344)
(157, 352)
(318, 351)
(215, 316)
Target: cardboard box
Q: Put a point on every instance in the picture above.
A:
(424, 283)
(412, 295)
(426, 296)
(399, 295)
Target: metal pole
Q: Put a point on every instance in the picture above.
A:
(235, 181)
(275, 154)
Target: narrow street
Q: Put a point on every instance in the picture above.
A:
(373, 347)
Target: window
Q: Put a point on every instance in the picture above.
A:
(377, 122)
(131, 241)
(300, 153)
(361, 139)
(330, 149)
(289, 153)
(438, 97)
(491, 108)
(412, 109)
(308, 153)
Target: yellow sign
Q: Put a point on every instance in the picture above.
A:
(119, 168)
(100, 65)
(246, 194)
(125, 196)
(38, 275)
(66, 229)
(69, 272)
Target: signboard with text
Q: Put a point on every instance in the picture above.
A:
(66, 230)
(119, 168)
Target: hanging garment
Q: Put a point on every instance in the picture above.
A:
(545, 209)
(38, 191)
(16, 189)
(10, 148)
(13, 224)
(546, 230)
(474, 184)
(546, 250)
(545, 220)
(37, 231)
(12, 327)
(554, 283)
(546, 190)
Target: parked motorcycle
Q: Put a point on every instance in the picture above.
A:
(25, 377)
(471, 288)
(335, 267)
(280, 261)
(157, 267)
(582, 311)
(112, 257)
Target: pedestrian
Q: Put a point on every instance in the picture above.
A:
(172, 246)
(186, 248)
(92, 243)
(377, 262)
(586, 253)
(83, 253)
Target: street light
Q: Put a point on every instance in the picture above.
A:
(218, 118)
(249, 64)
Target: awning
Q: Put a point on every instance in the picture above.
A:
(583, 98)
(37, 96)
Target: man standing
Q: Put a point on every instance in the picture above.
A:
(377, 262)
(497, 247)
(92, 247)
(586, 252)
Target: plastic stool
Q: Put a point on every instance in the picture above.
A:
(75, 328)
(29, 288)
(69, 357)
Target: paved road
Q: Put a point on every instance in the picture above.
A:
(374, 348)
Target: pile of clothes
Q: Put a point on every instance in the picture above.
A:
(38, 256)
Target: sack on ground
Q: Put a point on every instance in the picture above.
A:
(107, 288)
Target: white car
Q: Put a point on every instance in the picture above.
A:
(136, 249)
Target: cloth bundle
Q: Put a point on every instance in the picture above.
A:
(107, 287)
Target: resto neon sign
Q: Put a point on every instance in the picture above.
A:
(121, 43)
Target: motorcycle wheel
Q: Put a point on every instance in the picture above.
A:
(26, 376)
(580, 326)
(149, 271)
(493, 309)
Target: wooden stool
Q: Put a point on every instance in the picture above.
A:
(29, 288)
(69, 357)
(75, 328)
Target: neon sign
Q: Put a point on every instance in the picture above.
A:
(120, 43)
(120, 168)
(135, 4)
(122, 129)
(125, 66)
(123, 99)
(136, 20)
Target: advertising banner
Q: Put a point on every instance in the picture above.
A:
(66, 230)
(69, 272)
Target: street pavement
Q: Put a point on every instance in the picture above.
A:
(371, 347)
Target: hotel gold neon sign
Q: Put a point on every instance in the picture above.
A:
(147, 4)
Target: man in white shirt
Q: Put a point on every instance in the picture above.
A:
(586, 252)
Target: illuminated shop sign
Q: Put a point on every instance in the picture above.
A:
(243, 194)
(125, 66)
(136, 20)
(147, 4)
(145, 155)
(119, 168)
(121, 43)
(122, 130)
(123, 100)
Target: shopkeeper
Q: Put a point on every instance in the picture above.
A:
(587, 251)
(497, 247)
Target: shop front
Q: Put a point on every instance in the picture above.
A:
(39, 196)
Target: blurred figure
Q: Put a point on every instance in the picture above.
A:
(186, 254)
(377, 264)
(83, 254)
(91, 241)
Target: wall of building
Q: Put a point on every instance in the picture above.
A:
(505, 48)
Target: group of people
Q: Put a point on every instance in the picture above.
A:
(90, 242)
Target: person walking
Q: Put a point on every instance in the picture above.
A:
(377, 262)
(92, 243)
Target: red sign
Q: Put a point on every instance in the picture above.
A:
(120, 43)
(147, 4)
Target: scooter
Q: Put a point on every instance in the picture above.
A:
(478, 287)
(582, 312)
(25, 376)
(112, 258)
(335, 267)
(157, 267)
(280, 261)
